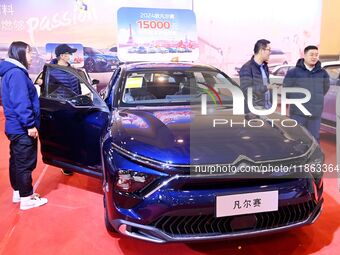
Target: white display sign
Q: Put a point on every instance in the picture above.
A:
(247, 203)
(149, 34)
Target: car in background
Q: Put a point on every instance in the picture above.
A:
(278, 57)
(151, 50)
(96, 61)
(133, 49)
(277, 74)
(328, 117)
(141, 50)
(162, 50)
(172, 49)
(145, 136)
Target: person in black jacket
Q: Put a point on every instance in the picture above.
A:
(63, 84)
(67, 85)
(255, 74)
(22, 112)
(308, 74)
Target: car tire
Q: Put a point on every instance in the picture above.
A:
(108, 225)
(90, 66)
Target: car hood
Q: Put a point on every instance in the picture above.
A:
(182, 136)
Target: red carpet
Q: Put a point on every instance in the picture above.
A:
(72, 222)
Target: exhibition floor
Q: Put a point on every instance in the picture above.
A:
(73, 220)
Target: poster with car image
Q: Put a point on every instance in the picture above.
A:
(146, 34)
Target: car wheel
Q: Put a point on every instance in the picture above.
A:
(90, 65)
(108, 225)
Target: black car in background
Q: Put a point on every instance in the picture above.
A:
(96, 61)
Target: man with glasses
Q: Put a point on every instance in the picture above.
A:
(255, 74)
(308, 74)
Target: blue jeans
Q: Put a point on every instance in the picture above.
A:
(312, 124)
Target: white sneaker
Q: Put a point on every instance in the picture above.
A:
(32, 201)
(16, 196)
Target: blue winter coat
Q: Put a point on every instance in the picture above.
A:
(62, 83)
(316, 81)
(19, 98)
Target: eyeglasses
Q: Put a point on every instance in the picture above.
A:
(268, 49)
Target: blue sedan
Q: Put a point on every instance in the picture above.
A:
(168, 173)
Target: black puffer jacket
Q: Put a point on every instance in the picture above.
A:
(251, 76)
(316, 81)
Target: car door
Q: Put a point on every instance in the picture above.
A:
(328, 114)
(71, 124)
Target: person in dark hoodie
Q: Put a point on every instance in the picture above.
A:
(309, 75)
(255, 74)
(22, 113)
(67, 84)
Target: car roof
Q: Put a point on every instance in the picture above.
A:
(280, 66)
(330, 63)
(323, 64)
(149, 66)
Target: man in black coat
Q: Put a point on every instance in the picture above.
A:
(308, 74)
(255, 74)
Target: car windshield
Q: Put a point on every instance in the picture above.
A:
(175, 88)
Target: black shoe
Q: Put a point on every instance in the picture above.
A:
(66, 172)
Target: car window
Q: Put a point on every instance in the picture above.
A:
(334, 74)
(65, 86)
(173, 87)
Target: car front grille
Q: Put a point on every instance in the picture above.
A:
(210, 225)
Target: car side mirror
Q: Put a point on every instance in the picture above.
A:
(95, 82)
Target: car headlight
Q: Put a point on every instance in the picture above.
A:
(130, 181)
(144, 160)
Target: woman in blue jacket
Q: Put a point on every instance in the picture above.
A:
(22, 113)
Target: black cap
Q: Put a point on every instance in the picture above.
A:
(64, 48)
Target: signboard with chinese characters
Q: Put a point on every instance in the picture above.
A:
(146, 34)
(247, 203)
